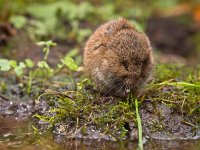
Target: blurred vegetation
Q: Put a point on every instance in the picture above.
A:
(76, 19)
(72, 21)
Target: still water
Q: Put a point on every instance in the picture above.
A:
(18, 135)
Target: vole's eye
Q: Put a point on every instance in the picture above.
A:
(125, 64)
(145, 61)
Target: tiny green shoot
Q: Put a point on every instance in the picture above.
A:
(46, 48)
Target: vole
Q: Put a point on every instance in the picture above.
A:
(118, 58)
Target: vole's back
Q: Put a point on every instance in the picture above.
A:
(106, 32)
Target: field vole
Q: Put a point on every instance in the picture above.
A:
(118, 58)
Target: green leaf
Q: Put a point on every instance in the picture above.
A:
(73, 52)
(41, 11)
(38, 27)
(18, 21)
(69, 62)
(60, 66)
(13, 63)
(22, 65)
(4, 65)
(41, 43)
(19, 71)
(29, 63)
(43, 64)
(50, 43)
(46, 43)
(82, 34)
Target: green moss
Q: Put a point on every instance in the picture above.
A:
(176, 87)
(96, 111)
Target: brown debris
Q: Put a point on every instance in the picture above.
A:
(6, 31)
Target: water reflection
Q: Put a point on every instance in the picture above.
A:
(18, 135)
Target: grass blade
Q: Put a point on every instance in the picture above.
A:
(183, 84)
(139, 125)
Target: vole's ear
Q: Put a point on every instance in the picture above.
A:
(94, 44)
(117, 25)
(125, 24)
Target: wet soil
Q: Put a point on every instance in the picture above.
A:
(163, 122)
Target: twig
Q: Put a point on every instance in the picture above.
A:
(4, 97)
(108, 130)
(50, 92)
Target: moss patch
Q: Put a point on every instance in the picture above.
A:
(168, 105)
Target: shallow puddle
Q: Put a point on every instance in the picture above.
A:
(18, 135)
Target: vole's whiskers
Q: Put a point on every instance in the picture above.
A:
(94, 74)
(110, 81)
(121, 87)
(105, 83)
(111, 88)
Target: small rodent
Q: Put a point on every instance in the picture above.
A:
(118, 58)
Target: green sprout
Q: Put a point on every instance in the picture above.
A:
(46, 48)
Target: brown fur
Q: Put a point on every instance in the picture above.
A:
(118, 57)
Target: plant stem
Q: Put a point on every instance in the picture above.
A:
(139, 125)
(30, 77)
